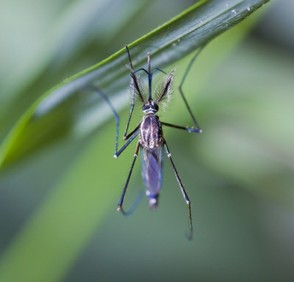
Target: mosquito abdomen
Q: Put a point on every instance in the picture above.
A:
(152, 174)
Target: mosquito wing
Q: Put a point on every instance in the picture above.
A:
(152, 173)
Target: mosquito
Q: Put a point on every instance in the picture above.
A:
(149, 131)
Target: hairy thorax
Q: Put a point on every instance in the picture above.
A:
(151, 132)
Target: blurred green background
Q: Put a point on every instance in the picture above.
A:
(57, 206)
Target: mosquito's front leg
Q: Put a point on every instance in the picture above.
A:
(196, 126)
(116, 116)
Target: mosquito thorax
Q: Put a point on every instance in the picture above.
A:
(150, 108)
(151, 136)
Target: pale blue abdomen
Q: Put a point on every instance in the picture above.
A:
(152, 173)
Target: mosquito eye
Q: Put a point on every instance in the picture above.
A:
(145, 107)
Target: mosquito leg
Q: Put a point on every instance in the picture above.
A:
(189, 129)
(116, 116)
(130, 137)
(129, 57)
(132, 106)
(196, 126)
(135, 89)
(182, 188)
(120, 203)
(160, 70)
(134, 71)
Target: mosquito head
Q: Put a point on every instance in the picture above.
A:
(150, 108)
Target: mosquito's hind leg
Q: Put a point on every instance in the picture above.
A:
(183, 191)
(120, 203)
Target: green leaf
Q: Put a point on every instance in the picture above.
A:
(60, 111)
(52, 239)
